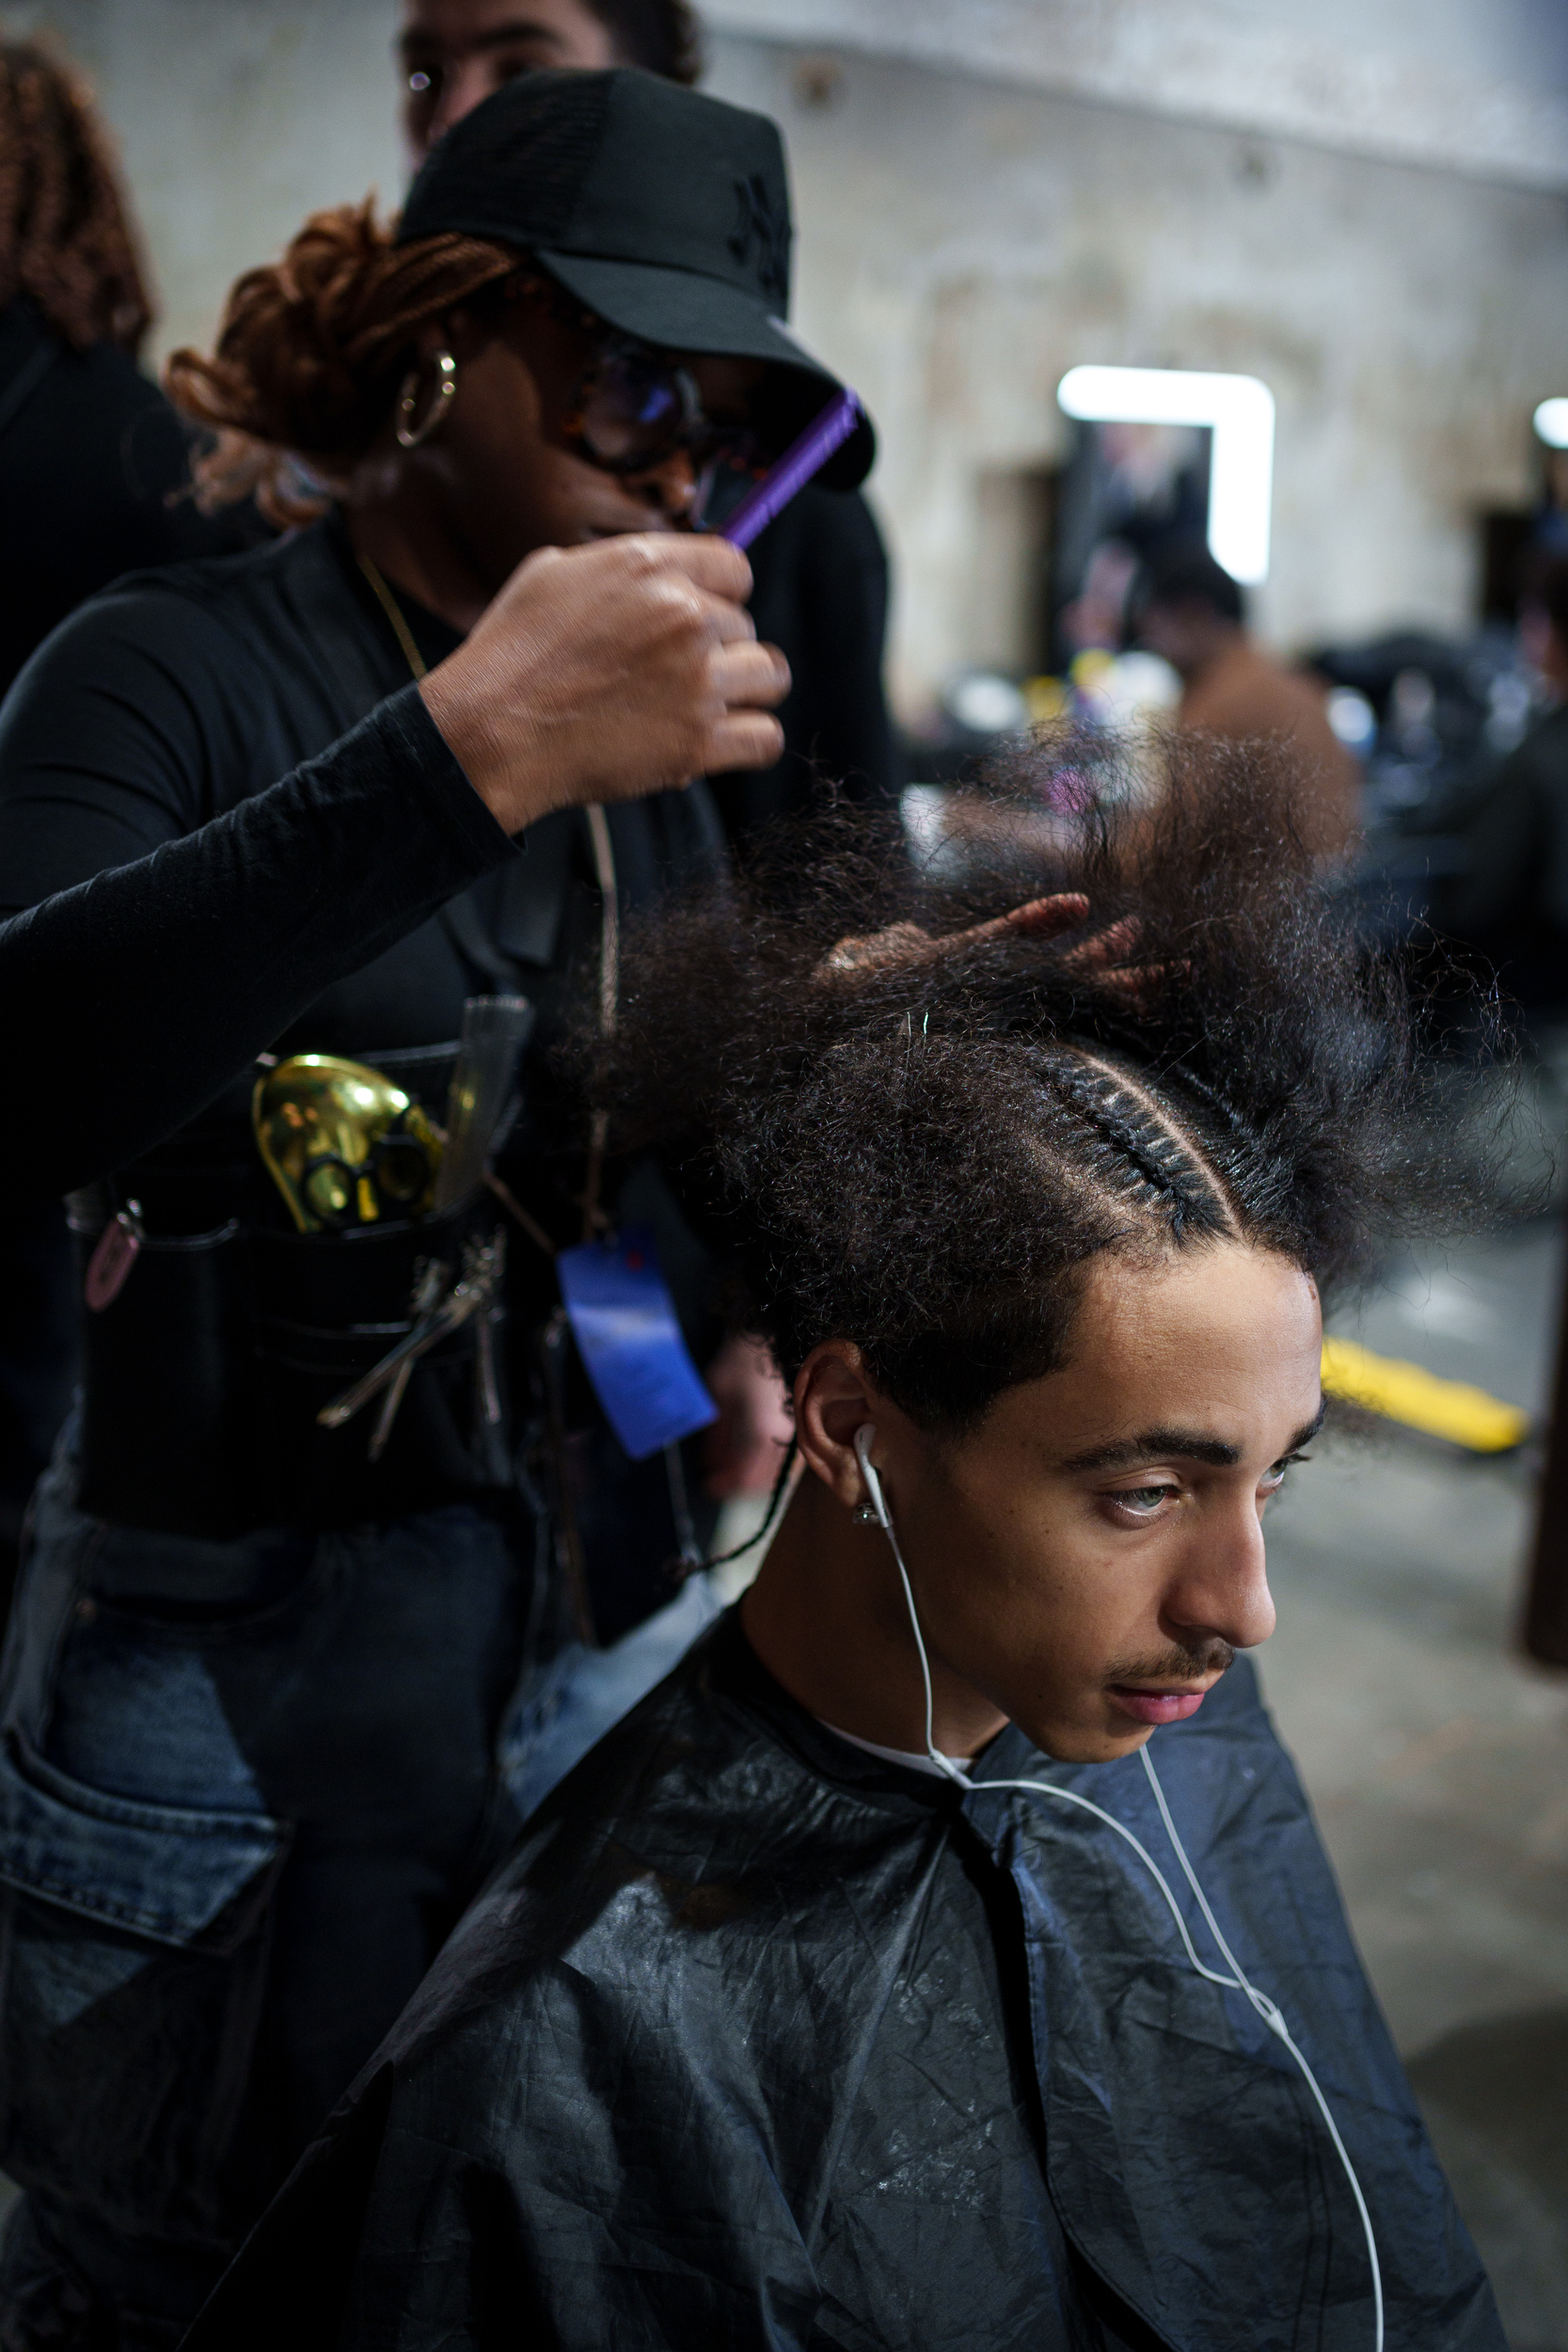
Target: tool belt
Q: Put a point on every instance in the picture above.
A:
(203, 1379)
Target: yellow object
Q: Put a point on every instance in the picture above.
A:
(1046, 699)
(1091, 667)
(1410, 1393)
(343, 1144)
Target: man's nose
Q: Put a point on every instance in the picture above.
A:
(1221, 1581)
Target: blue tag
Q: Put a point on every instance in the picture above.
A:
(625, 1323)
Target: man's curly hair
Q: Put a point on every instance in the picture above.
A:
(922, 1153)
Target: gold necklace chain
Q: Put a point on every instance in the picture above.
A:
(394, 612)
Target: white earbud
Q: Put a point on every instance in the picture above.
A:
(866, 1438)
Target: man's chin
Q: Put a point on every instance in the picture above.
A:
(1085, 1742)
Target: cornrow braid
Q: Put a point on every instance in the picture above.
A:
(1163, 1160)
(66, 237)
(311, 351)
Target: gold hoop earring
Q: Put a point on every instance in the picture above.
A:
(409, 434)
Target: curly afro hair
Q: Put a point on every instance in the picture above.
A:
(920, 1144)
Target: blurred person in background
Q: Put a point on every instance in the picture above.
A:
(1511, 899)
(820, 569)
(1193, 614)
(94, 481)
(94, 464)
(455, 53)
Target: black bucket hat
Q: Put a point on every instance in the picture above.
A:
(665, 213)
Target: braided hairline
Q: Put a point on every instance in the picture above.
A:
(1097, 1091)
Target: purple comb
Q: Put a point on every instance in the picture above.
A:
(794, 469)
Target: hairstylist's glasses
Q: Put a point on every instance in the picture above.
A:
(633, 409)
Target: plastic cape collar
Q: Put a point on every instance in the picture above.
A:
(757, 2038)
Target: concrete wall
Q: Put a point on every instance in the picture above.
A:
(235, 118)
(1476, 85)
(963, 245)
(963, 242)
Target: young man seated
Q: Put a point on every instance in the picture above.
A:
(944, 1956)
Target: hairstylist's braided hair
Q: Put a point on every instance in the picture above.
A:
(312, 352)
(919, 1143)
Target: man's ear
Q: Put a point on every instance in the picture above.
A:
(832, 1399)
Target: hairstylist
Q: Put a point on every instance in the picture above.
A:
(256, 1679)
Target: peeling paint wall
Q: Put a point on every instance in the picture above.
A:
(961, 245)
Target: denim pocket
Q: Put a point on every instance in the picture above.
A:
(133, 1948)
(159, 1871)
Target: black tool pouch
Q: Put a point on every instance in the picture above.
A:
(166, 1414)
(203, 1379)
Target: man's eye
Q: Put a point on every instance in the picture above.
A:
(1146, 1499)
(1273, 1477)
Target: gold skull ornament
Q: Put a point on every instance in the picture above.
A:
(343, 1145)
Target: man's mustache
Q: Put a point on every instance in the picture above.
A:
(1178, 1664)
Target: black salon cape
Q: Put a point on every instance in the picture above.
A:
(758, 2042)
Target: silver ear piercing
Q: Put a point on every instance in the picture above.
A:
(409, 434)
(866, 1515)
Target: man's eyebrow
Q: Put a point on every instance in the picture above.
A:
(1309, 1430)
(1156, 1445)
(497, 37)
(1188, 1445)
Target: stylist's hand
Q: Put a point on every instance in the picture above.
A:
(602, 673)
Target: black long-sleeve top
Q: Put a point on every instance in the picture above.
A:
(94, 480)
(820, 593)
(228, 824)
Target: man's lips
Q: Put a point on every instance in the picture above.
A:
(1156, 1706)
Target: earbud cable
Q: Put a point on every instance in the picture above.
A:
(1238, 1981)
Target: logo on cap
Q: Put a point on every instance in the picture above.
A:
(761, 221)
